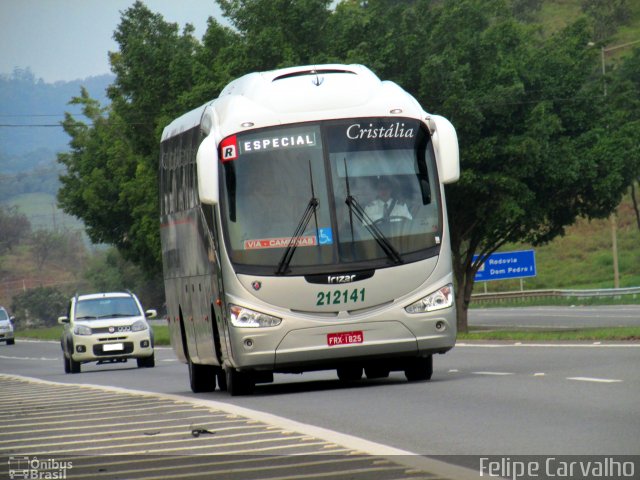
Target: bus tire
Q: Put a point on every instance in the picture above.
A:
(419, 369)
(349, 373)
(202, 378)
(239, 383)
(376, 372)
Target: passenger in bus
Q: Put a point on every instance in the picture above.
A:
(388, 206)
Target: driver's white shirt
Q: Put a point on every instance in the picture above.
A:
(375, 210)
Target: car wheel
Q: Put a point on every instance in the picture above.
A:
(147, 362)
(11, 341)
(67, 364)
(74, 367)
(419, 369)
(349, 373)
(239, 383)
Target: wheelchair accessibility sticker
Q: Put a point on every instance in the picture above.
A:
(325, 236)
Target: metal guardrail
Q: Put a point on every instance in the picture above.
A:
(524, 294)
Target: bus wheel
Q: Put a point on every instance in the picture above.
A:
(376, 372)
(349, 373)
(239, 383)
(202, 377)
(418, 369)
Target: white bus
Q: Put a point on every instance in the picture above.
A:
(304, 227)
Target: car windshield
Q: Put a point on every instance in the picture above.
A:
(91, 309)
(344, 193)
(3, 314)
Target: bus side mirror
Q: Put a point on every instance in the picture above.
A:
(207, 162)
(445, 145)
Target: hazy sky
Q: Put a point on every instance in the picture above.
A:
(69, 39)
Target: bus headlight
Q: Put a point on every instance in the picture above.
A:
(82, 330)
(243, 317)
(442, 298)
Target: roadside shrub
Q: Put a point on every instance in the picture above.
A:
(39, 306)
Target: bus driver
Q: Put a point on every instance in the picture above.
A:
(387, 206)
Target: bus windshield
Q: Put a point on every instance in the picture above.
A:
(334, 195)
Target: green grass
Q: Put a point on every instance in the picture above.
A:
(160, 333)
(587, 334)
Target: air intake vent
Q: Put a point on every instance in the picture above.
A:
(306, 73)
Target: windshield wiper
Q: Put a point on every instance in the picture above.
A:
(312, 206)
(356, 209)
(385, 244)
(87, 317)
(295, 239)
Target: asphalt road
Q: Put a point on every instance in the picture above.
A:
(483, 399)
(562, 318)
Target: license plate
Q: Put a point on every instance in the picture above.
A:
(344, 338)
(112, 347)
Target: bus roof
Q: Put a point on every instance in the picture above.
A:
(297, 94)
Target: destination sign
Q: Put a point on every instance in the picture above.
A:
(278, 142)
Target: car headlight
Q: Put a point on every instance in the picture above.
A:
(442, 298)
(81, 330)
(139, 325)
(243, 317)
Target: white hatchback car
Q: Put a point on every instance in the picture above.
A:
(6, 327)
(106, 328)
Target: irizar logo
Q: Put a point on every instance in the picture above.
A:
(340, 278)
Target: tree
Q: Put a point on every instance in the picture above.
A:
(623, 116)
(14, 226)
(606, 16)
(102, 180)
(112, 168)
(277, 33)
(534, 156)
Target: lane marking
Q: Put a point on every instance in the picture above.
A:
(595, 380)
(498, 374)
(41, 359)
